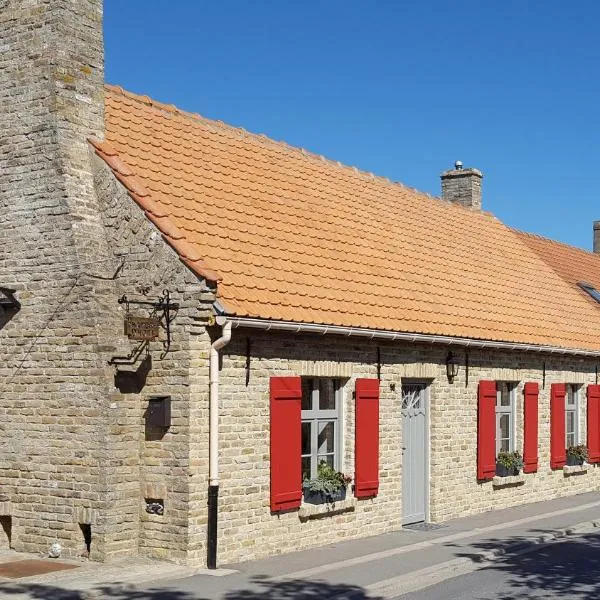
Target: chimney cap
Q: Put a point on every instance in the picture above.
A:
(458, 165)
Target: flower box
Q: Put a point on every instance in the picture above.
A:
(311, 497)
(503, 471)
(573, 461)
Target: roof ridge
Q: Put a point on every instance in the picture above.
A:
(557, 242)
(366, 175)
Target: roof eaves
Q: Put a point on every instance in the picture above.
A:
(303, 327)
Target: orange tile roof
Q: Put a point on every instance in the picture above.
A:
(293, 236)
(573, 264)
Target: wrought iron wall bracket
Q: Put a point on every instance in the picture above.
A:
(164, 309)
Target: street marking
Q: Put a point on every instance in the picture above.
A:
(359, 560)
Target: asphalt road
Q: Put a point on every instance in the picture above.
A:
(568, 569)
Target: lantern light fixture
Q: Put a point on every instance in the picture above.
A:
(451, 367)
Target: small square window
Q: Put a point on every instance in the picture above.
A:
(590, 289)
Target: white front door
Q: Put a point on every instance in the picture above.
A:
(414, 452)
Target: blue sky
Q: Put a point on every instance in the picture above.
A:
(401, 89)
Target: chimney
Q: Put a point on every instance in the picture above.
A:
(462, 186)
(597, 237)
(51, 101)
(55, 255)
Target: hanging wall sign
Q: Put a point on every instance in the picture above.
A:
(143, 329)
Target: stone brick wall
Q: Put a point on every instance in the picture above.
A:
(248, 530)
(171, 466)
(73, 443)
(54, 387)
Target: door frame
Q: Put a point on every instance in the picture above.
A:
(427, 471)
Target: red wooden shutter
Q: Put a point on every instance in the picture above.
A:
(366, 451)
(558, 452)
(286, 464)
(593, 423)
(530, 427)
(486, 430)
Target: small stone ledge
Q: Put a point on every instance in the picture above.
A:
(500, 482)
(574, 469)
(314, 511)
(85, 516)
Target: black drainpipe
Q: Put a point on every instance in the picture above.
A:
(213, 512)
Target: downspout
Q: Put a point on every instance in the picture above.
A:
(213, 445)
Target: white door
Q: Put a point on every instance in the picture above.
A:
(414, 452)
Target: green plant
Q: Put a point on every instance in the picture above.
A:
(580, 452)
(328, 481)
(510, 460)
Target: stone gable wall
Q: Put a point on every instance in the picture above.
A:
(173, 465)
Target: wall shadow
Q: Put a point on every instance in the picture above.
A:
(259, 587)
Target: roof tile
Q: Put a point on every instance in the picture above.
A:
(298, 237)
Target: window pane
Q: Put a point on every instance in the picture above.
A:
(326, 437)
(306, 427)
(505, 426)
(505, 395)
(570, 439)
(326, 395)
(570, 421)
(411, 396)
(306, 468)
(505, 446)
(307, 388)
(325, 458)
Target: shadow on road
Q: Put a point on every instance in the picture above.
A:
(567, 568)
(259, 588)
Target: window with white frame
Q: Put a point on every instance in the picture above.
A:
(505, 416)
(572, 415)
(321, 407)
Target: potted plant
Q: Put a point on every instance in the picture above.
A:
(577, 455)
(508, 464)
(329, 485)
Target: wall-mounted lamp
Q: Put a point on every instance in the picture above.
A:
(451, 367)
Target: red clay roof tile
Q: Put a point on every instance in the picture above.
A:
(298, 237)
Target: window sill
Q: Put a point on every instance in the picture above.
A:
(500, 482)
(575, 469)
(313, 511)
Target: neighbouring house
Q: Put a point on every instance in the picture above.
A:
(194, 317)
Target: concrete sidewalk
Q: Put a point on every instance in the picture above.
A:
(385, 566)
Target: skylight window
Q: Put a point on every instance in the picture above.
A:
(590, 289)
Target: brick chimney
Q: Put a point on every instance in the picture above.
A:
(597, 237)
(462, 186)
(54, 254)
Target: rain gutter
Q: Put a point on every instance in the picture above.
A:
(380, 334)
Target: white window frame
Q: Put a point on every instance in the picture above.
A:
(511, 410)
(314, 415)
(573, 393)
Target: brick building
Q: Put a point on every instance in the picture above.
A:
(314, 312)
